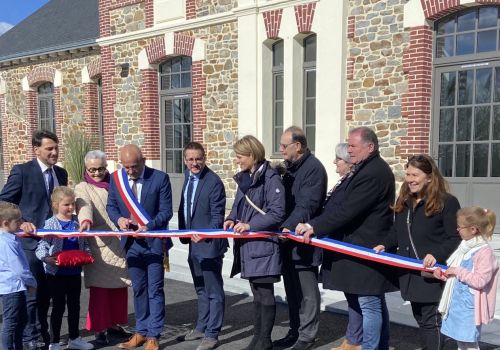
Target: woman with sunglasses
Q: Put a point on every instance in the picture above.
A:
(107, 277)
(424, 229)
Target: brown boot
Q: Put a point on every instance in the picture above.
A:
(346, 346)
(134, 341)
(151, 344)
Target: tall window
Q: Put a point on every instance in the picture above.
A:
(46, 115)
(277, 70)
(309, 94)
(100, 118)
(176, 111)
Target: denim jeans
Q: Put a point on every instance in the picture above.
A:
(354, 332)
(14, 320)
(375, 322)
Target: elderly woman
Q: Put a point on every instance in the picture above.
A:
(259, 206)
(107, 277)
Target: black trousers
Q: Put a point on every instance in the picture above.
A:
(429, 325)
(65, 290)
(304, 300)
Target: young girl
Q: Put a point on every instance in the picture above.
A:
(64, 282)
(471, 280)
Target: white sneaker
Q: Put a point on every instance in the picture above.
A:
(54, 346)
(79, 344)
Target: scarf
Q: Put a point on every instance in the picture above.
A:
(104, 183)
(453, 261)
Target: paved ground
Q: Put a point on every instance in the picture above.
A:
(237, 331)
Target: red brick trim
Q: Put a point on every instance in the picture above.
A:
(350, 68)
(40, 75)
(94, 68)
(272, 21)
(108, 104)
(183, 44)
(59, 120)
(416, 102)
(91, 113)
(190, 9)
(199, 90)
(4, 133)
(434, 9)
(156, 51)
(31, 113)
(105, 6)
(349, 108)
(149, 12)
(150, 113)
(304, 16)
(351, 26)
(484, 2)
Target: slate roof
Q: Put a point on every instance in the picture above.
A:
(58, 25)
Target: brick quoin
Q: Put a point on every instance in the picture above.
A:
(183, 44)
(488, 2)
(91, 113)
(349, 107)
(199, 90)
(156, 51)
(272, 21)
(40, 75)
(150, 113)
(434, 9)
(108, 103)
(351, 26)
(304, 16)
(94, 68)
(4, 133)
(59, 120)
(190, 9)
(350, 68)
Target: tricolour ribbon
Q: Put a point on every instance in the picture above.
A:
(325, 243)
(125, 192)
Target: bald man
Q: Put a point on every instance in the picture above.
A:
(148, 190)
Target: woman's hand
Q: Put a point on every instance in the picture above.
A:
(379, 249)
(50, 260)
(305, 230)
(85, 225)
(429, 261)
(439, 274)
(228, 224)
(28, 228)
(450, 272)
(241, 227)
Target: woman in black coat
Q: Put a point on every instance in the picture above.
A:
(424, 228)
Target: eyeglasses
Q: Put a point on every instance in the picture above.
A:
(284, 146)
(95, 170)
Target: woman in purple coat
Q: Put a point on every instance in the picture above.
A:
(259, 206)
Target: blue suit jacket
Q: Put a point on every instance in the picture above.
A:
(26, 188)
(209, 206)
(156, 199)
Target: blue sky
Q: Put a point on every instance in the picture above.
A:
(14, 11)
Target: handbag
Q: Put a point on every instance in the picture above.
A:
(73, 258)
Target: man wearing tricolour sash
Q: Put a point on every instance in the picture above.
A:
(140, 199)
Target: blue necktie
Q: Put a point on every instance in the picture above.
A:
(189, 201)
(50, 178)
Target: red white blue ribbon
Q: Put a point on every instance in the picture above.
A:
(127, 196)
(325, 243)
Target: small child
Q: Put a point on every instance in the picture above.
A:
(468, 298)
(64, 282)
(15, 278)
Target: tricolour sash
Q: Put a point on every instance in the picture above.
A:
(134, 207)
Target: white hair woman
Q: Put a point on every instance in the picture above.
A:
(107, 277)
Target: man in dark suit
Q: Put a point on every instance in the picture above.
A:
(151, 189)
(364, 217)
(202, 206)
(30, 186)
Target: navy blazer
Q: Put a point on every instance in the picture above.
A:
(209, 206)
(26, 187)
(156, 199)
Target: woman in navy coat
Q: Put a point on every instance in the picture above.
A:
(259, 206)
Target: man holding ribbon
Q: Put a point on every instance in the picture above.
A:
(140, 199)
(30, 186)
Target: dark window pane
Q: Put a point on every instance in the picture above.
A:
(278, 87)
(480, 160)
(464, 124)
(46, 88)
(175, 81)
(310, 49)
(467, 21)
(278, 54)
(278, 117)
(496, 97)
(462, 163)
(487, 41)
(165, 82)
(495, 160)
(177, 111)
(482, 123)
(310, 112)
(177, 136)
(446, 117)
(186, 80)
(187, 135)
(311, 137)
(186, 63)
(483, 85)
(165, 68)
(176, 65)
(169, 157)
(465, 87)
(179, 164)
(487, 17)
(448, 89)
(169, 137)
(446, 160)
(445, 46)
(496, 123)
(465, 43)
(167, 112)
(187, 110)
(446, 26)
(311, 83)
(277, 136)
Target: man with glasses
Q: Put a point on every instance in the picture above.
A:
(305, 183)
(30, 186)
(138, 193)
(202, 206)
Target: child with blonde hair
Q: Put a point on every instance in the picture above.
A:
(468, 299)
(65, 283)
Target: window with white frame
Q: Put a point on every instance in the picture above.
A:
(309, 90)
(277, 101)
(46, 114)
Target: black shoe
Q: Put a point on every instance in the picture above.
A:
(101, 338)
(119, 332)
(289, 340)
(302, 345)
(31, 345)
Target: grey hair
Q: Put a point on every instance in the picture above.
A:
(96, 154)
(367, 135)
(341, 152)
